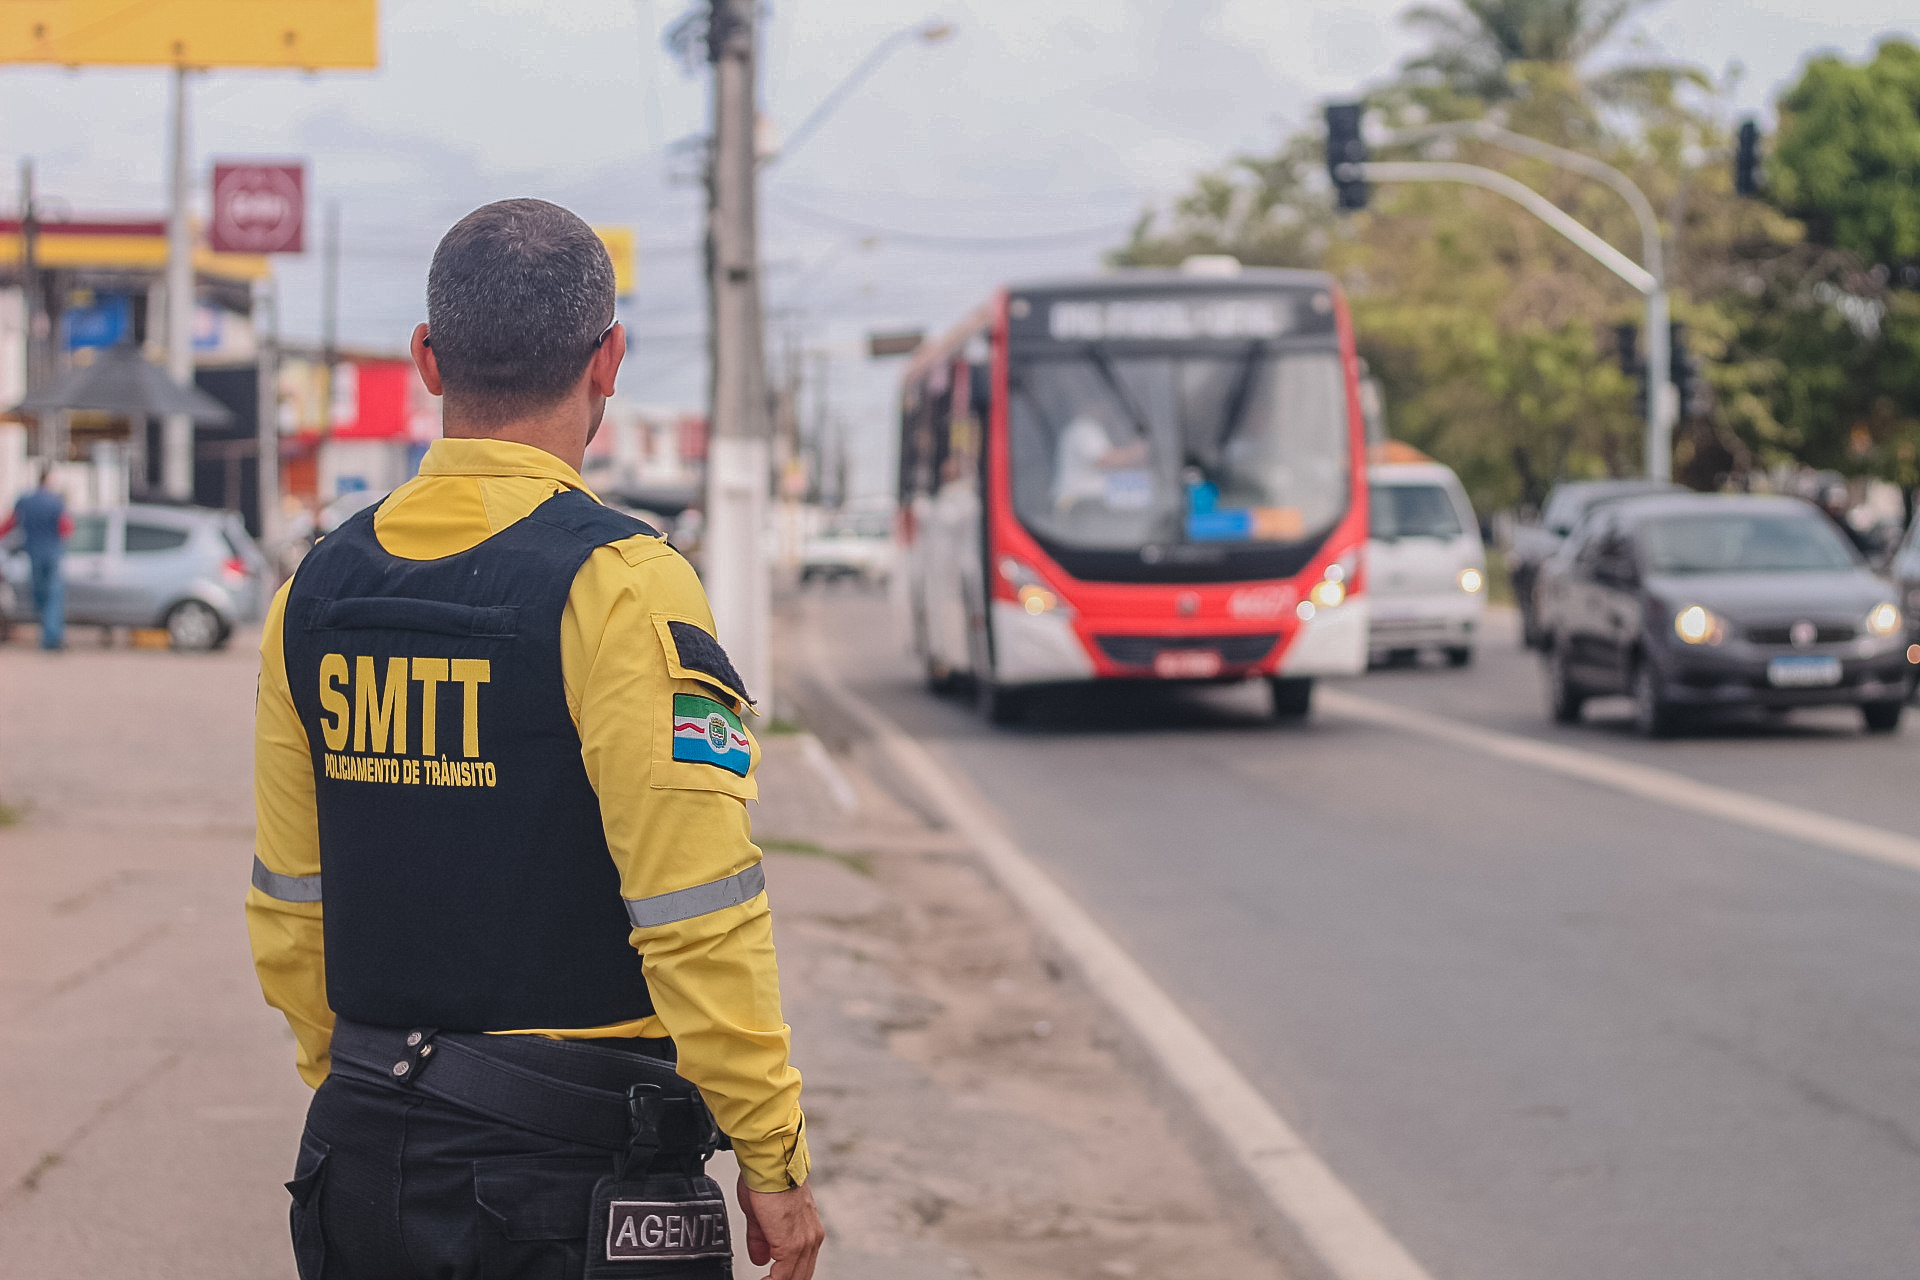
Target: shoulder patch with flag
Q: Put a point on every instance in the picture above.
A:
(705, 732)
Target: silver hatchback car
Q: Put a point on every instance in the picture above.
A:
(191, 570)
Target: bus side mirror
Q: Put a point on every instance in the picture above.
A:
(980, 391)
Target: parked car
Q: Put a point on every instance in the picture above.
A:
(190, 570)
(1534, 544)
(1692, 602)
(850, 545)
(1426, 569)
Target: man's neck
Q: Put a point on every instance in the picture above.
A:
(560, 431)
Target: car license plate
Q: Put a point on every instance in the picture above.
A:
(1186, 664)
(1804, 671)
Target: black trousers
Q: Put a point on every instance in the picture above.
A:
(392, 1184)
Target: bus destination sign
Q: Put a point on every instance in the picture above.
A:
(1200, 317)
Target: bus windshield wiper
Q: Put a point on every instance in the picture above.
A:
(1104, 363)
(1241, 394)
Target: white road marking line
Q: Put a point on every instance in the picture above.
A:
(1348, 1240)
(821, 761)
(1645, 781)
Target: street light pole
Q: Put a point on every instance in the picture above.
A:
(176, 436)
(738, 465)
(1661, 397)
(1532, 201)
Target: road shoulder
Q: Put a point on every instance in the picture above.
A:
(970, 1104)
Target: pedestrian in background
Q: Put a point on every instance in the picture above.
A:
(495, 722)
(42, 514)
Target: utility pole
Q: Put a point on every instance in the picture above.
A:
(176, 434)
(36, 344)
(329, 313)
(738, 463)
(266, 341)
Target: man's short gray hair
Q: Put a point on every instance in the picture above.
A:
(518, 296)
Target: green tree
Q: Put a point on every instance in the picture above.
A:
(1831, 337)
(1847, 155)
(1489, 51)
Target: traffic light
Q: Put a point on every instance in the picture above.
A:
(1346, 148)
(1684, 372)
(1626, 350)
(1626, 347)
(1746, 160)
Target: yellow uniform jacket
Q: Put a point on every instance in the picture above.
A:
(669, 825)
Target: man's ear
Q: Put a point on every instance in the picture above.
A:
(605, 365)
(424, 360)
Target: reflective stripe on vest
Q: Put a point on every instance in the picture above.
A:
(285, 888)
(701, 899)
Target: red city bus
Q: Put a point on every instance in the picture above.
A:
(1147, 475)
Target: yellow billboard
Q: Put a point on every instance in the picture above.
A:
(302, 34)
(619, 243)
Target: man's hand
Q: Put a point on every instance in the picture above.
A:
(782, 1227)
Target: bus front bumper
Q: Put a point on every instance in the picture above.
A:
(1036, 648)
(1333, 642)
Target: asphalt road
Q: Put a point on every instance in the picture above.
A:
(1542, 1028)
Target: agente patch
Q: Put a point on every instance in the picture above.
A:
(667, 1229)
(704, 732)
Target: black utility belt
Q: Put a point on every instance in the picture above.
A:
(573, 1090)
(656, 1217)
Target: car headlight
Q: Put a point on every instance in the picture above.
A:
(1697, 624)
(1883, 619)
(1471, 580)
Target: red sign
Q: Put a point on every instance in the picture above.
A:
(258, 208)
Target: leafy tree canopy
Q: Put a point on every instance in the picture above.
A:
(1847, 158)
(1480, 50)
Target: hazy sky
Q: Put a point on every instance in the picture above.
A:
(1036, 117)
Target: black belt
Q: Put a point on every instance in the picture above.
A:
(566, 1089)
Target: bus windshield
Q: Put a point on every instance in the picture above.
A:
(1125, 450)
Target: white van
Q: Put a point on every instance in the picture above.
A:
(1426, 569)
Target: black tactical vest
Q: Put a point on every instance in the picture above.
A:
(468, 882)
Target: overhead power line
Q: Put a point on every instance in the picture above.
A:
(1039, 240)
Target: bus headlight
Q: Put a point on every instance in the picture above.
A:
(1471, 580)
(1883, 619)
(1329, 591)
(1697, 624)
(1037, 600)
(1029, 588)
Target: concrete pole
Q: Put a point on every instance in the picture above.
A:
(176, 434)
(266, 342)
(737, 462)
(329, 316)
(36, 348)
(1661, 395)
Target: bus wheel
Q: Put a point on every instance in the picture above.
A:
(999, 704)
(1292, 696)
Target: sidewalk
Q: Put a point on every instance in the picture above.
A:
(967, 1109)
